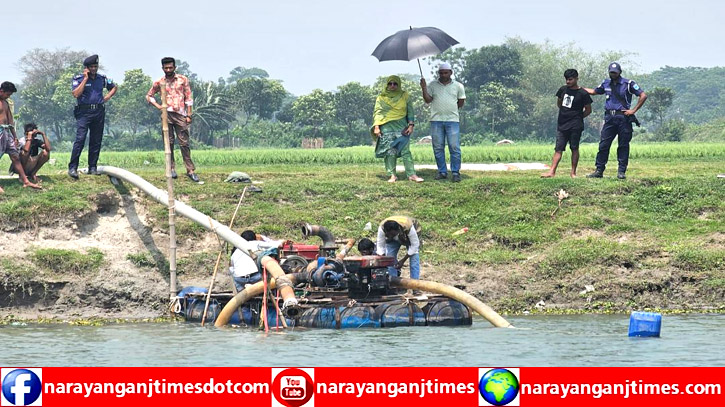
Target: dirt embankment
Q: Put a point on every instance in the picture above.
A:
(123, 286)
(120, 228)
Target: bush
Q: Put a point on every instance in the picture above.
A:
(475, 139)
(671, 130)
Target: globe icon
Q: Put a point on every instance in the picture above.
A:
(498, 387)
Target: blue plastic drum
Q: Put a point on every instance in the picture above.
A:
(392, 315)
(447, 313)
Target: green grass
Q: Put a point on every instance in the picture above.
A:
(141, 260)
(573, 254)
(696, 258)
(67, 261)
(16, 268)
(669, 213)
(364, 155)
(509, 210)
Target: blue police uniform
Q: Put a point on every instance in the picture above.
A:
(615, 122)
(90, 114)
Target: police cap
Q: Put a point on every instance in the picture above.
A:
(615, 67)
(91, 60)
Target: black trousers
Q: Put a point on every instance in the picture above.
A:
(88, 121)
(615, 125)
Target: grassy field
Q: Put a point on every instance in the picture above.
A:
(421, 154)
(655, 240)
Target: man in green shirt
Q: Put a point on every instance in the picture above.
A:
(446, 97)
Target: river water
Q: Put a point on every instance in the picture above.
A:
(578, 340)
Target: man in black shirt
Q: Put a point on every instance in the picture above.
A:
(574, 105)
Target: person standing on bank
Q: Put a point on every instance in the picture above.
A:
(446, 98)
(393, 122)
(90, 113)
(179, 103)
(574, 105)
(618, 118)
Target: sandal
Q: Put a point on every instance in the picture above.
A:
(393, 178)
(415, 178)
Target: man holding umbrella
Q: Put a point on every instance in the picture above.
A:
(446, 97)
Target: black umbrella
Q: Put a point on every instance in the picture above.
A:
(407, 45)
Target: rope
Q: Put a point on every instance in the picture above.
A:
(174, 305)
(276, 306)
(213, 277)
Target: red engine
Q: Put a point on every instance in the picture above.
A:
(307, 251)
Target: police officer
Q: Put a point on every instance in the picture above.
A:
(618, 118)
(90, 113)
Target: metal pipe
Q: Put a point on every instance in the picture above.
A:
(328, 241)
(454, 293)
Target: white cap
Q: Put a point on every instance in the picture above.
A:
(445, 66)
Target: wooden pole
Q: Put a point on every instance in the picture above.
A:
(218, 259)
(170, 187)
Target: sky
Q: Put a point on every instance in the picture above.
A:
(310, 44)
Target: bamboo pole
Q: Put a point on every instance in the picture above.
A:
(218, 259)
(170, 189)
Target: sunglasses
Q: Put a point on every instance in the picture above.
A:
(393, 83)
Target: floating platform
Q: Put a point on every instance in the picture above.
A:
(328, 309)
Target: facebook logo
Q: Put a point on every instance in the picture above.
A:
(21, 387)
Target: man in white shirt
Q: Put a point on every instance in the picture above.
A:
(446, 97)
(243, 267)
(397, 231)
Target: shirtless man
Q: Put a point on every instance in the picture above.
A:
(8, 138)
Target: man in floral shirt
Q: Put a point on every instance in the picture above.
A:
(179, 102)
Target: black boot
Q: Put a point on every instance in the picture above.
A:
(596, 174)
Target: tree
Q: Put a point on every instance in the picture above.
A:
(315, 109)
(45, 94)
(212, 110)
(240, 72)
(129, 110)
(699, 93)
(42, 67)
(496, 104)
(456, 57)
(659, 101)
(286, 114)
(182, 68)
(353, 104)
(493, 63)
(671, 130)
(258, 97)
